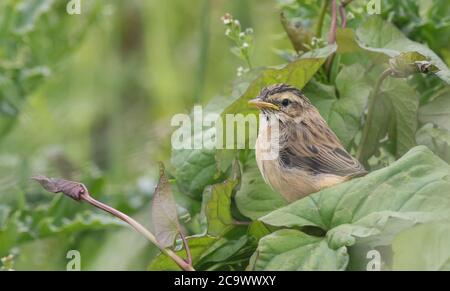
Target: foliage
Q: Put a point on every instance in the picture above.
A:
(382, 86)
(373, 65)
(28, 56)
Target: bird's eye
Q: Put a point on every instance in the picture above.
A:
(285, 102)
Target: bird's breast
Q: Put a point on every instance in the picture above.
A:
(292, 183)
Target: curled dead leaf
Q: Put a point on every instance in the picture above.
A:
(74, 190)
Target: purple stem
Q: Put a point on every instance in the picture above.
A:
(333, 25)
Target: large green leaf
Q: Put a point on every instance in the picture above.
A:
(343, 114)
(255, 198)
(429, 244)
(395, 113)
(296, 73)
(208, 252)
(436, 139)
(216, 204)
(292, 250)
(437, 111)
(225, 248)
(197, 168)
(197, 245)
(403, 103)
(413, 189)
(381, 36)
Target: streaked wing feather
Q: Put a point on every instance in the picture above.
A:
(319, 153)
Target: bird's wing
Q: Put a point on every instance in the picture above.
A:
(318, 151)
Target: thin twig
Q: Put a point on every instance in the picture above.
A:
(186, 247)
(369, 118)
(331, 37)
(237, 222)
(78, 192)
(333, 24)
(139, 228)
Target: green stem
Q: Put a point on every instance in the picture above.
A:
(323, 11)
(369, 118)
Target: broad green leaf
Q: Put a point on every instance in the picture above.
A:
(197, 245)
(378, 228)
(403, 102)
(210, 253)
(194, 169)
(381, 36)
(322, 96)
(164, 212)
(257, 230)
(415, 188)
(437, 111)
(436, 139)
(395, 113)
(216, 204)
(345, 114)
(255, 198)
(342, 114)
(292, 250)
(345, 39)
(197, 168)
(424, 247)
(296, 73)
(225, 247)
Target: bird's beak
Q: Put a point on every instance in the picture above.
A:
(262, 104)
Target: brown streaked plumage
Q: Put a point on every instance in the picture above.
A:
(310, 155)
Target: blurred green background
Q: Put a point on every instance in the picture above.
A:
(101, 113)
(90, 97)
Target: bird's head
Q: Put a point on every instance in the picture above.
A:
(282, 100)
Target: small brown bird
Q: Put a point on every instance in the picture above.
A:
(310, 156)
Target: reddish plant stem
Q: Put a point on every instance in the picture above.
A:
(331, 37)
(237, 222)
(186, 247)
(333, 24)
(187, 266)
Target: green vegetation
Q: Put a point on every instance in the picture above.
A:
(89, 98)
